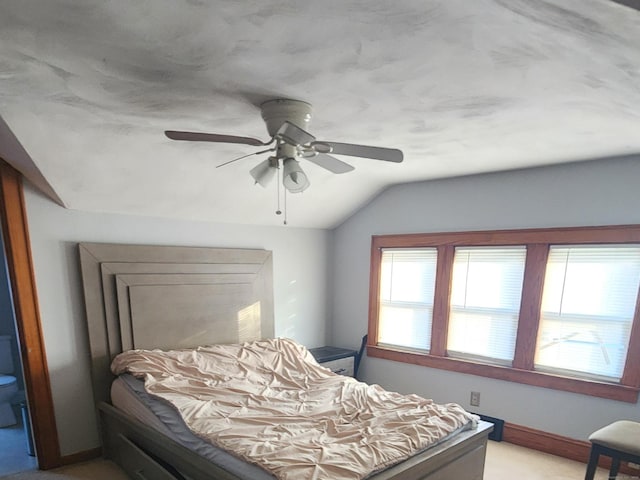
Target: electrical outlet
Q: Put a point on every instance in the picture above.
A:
(474, 401)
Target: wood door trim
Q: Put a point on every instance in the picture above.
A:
(22, 279)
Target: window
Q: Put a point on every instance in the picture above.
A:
(556, 308)
(485, 301)
(588, 304)
(407, 281)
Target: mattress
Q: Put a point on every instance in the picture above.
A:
(129, 394)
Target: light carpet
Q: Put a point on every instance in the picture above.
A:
(94, 470)
(504, 462)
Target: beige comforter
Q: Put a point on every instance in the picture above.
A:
(270, 403)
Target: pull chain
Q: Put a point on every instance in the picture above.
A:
(285, 206)
(279, 179)
(278, 211)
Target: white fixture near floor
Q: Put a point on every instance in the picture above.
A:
(8, 384)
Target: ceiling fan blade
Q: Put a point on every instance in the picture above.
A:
(364, 151)
(212, 137)
(245, 156)
(330, 163)
(294, 135)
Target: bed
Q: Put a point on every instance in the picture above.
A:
(162, 297)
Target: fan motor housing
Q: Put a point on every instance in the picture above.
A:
(276, 112)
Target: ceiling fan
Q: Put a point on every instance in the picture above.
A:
(286, 123)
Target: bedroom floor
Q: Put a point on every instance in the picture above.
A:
(504, 462)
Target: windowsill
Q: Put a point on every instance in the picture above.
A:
(592, 388)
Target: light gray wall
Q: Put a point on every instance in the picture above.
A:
(606, 192)
(300, 283)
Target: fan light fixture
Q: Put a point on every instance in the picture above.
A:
(293, 178)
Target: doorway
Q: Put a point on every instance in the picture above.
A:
(19, 266)
(17, 453)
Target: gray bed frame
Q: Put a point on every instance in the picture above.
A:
(145, 296)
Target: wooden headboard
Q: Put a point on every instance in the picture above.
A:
(143, 296)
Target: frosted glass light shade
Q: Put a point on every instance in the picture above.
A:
(294, 179)
(263, 172)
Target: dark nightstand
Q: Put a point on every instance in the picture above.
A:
(339, 360)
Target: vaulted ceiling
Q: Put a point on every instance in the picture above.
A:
(461, 87)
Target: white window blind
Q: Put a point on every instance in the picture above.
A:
(588, 304)
(486, 290)
(407, 284)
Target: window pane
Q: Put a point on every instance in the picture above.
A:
(407, 283)
(407, 327)
(588, 304)
(486, 289)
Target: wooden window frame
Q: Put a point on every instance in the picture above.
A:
(522, 370)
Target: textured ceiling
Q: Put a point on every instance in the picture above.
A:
(460, 86)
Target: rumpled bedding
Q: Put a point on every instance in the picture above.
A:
(270, 403)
